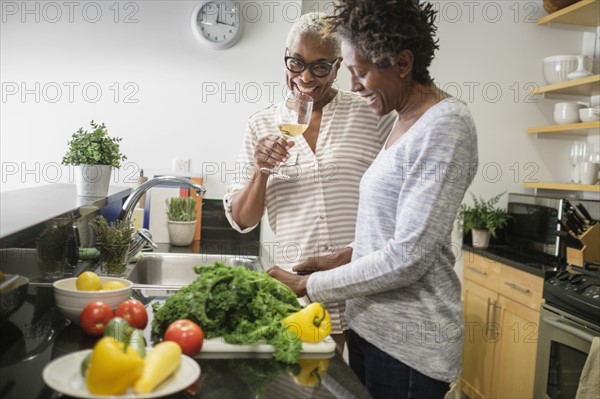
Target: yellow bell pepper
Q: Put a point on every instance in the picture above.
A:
(311, 372)
(310, 324)
(114, 367)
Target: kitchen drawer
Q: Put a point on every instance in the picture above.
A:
(481, 270)
(521, 286)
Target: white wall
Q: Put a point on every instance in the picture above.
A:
(490, 55)
(177, 98)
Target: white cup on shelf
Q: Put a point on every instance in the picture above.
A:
(588, 172)
(567, 112)
(589, 114)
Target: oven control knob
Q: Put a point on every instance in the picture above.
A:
(576, 279)
(563, 276)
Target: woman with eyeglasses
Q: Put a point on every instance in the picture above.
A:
(402, 295)
(313, 212)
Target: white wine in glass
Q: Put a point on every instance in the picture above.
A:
(293, 114)
(293, 118)
(291, 130)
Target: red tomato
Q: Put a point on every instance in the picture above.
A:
(134, 312)
(187, 334)
(94, 318)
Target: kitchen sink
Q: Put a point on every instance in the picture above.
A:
(177, 270)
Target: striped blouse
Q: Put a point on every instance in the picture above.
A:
(313, 213)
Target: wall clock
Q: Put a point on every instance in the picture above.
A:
(218, 24)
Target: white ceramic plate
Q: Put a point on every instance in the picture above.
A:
(63, 375)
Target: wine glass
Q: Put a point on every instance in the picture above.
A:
(293, 114)
(293, 117)
(574, 158)
(582, 155)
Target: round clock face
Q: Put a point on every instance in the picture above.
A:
(217, 23)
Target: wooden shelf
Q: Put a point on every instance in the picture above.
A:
(582, 13)
(575, 129)
(595, 188)
(587, 87)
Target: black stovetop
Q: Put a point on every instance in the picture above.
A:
(576, 291)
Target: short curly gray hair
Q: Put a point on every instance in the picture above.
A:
(313, 23)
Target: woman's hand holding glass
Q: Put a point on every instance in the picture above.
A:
(293, 117)
(270, 151)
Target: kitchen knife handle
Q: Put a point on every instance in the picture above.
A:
(585, 213)
(577, 217)
(569, 240)
(572, 228)
(566, 228)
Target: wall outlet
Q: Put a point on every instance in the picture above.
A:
(181, 165)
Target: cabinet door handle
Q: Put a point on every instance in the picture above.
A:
(493, 325)
(471, 268)
(516, 287)
(487, 319)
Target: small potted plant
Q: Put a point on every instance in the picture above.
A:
(94, 154)
(181, 220)
(483, 219)
(112, 240)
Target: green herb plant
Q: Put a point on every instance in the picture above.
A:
(113, 243)
(240, 305)
(181, 209)
(94, 148)
(483, 215)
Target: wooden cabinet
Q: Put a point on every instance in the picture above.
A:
(501, 309)
(584, 13)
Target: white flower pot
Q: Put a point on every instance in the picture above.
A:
(181, 234)
(92, 180)
(481, 238)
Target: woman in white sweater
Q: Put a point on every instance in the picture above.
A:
(402, 294)
(313, 213)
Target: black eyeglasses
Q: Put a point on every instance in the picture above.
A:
(319, 69)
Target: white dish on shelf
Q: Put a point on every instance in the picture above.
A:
(557, 68)
(584, 68)
(578, 75)
(63, 375)
(589, 114)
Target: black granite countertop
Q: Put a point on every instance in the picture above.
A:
(38, 333)
(23, 209)
(531, 262)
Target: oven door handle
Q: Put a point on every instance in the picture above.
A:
(558, 323)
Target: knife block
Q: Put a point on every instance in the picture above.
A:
(591, 247)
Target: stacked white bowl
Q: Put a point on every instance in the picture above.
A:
(557, 68)
(589, 114)
(71, 301)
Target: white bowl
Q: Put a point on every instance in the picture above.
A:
(589, 114)
(557, 68)
(71, 313)
(71, 301)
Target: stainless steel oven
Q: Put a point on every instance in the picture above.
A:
(569, 320)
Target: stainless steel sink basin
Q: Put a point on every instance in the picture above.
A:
(171, 269)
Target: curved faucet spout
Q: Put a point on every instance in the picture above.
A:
(133, 199)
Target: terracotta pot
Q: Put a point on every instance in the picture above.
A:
(481, 238)
(181, 234)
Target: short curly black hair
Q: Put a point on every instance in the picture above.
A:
(381, 29)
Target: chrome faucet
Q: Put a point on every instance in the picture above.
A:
(135, 196)
(143, 236)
